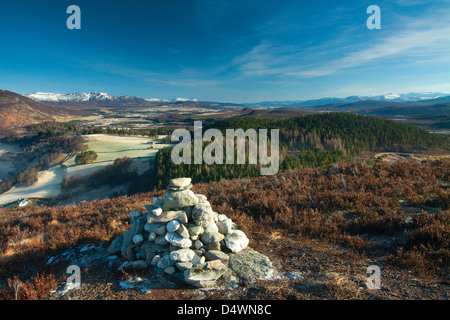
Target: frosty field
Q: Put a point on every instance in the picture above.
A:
(109, 147)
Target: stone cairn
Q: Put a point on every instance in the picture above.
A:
(180, 234)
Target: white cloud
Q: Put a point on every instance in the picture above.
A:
(425, 40)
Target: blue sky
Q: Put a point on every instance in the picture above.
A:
(225, 50)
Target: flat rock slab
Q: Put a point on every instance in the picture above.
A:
(250, 266)
(168, 216)
(180, 182)
(205, 275)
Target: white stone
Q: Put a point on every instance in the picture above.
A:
(201, 198)
(211, 227)
(225, 226)
(182, 255)
(236, 241)
(179, 199)
(178, 241)
(173, 225)
(180, 182)
(222, 217)
(157, 212)
(202, 214)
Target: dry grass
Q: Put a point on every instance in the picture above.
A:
(341, 288)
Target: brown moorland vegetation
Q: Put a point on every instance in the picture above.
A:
(397, 214)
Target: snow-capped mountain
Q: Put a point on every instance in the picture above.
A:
(94, 97)
(389, 97)
(405, 97)
(70, 97)
(183, 100)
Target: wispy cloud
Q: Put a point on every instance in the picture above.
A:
(192, 83)
(418, 39)
(184, 78)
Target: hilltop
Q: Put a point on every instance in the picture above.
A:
(325, 226)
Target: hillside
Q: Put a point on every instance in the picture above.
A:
(324, 225)
(17, 110)
(310, 141)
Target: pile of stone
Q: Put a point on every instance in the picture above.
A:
(180, 234)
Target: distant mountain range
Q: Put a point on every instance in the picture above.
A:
(95, 98)
(105, 99)
(390, 97)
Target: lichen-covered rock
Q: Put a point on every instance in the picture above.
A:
(179, 199)
(216, 255)
(195, 230)
(251, 266)
(206, 274)
(182, 255)
(225, 226)
(201, 198)
(211, 237)
(183, 231)
(180, 182)
(203, 214)
(135, 214)
(183, 266)
(211, 227)
(168, 216)
(153, 248)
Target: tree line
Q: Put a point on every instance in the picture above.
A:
(309, 141)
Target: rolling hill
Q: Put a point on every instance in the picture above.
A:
(18, 111)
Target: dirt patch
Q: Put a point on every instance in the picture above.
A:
(392, 157)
